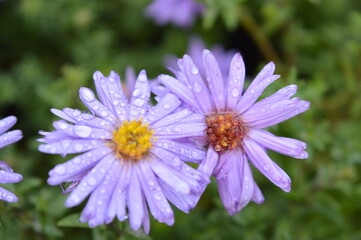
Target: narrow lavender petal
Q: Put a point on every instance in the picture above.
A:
(224, 164)
(253, 93)
(199, 88)
(70, 146)
(7, 195)
(100, 198)
(98, 77)
(9, 177)
(283, 145)
(275, 113)
(76, 116)
(255, 89)
(181, 201)
(195, 117)
(4, 166)
(82, 131)
(209, 163)
(79, 164)
(135, 202)
(170, 177)
(10, 137)
(172, 118)
(257, 194)
(141, 94)
(7, 123)
(156, 200)
(158, 89)
(169, 158)
(88, 98)
(187, 153)
(180, 131)
(164, 107)
(114, 99)
(118, 199)
(230, 186)
(90, 181)
(266, 166)
(282, 94)
(146, 220)
(247, 182)
(215, 80)
(179, 89)
(235, 81)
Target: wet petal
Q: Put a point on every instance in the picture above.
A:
(135, 202)
(7, 195)
(235, 81)
(10, 137)
(9, 177)
(140, 97)
(164, 107)
(215, 80)
(7, 123)
(266, 166)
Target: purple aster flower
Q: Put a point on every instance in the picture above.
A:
(235, 123)
(6, 173)
(181, 13)
(132, 156)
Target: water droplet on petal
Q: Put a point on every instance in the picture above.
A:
(166, 106)
(60, 169)
(92, 181)
(267, 167)
(197, 87)
(138, 102)
(78, 147)
(88, 95)
(82, 131)
(136, 92)
(235, 92)
(151, 183)
(194, 69)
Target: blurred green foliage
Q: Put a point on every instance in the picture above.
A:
(48, 49)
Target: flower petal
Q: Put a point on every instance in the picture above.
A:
(7, 123)
(215, 80)
(140, 97)
(7, 195)
(262, 80)
(135, 202)
(172, 118)
(265, 116)
(9, 177)
(88, 98)
(209, 163)
(10, 137)
(180, 131)
(235, 81)
(90, 181)
(164, 107)
(283, 145)
(266, 166)
(198, 86)
(179, 89)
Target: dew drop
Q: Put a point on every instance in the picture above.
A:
(267, 167)
(92, 181)
(82, 131)
(166, 106)
(177, 129)
(194, 69)
(235, 92)
(88, 95)
(138, 102)
(142, 77)
(78, 147)
(151, 183)
(136, 92)
(197, 87)
(157, 197)
(60, 170)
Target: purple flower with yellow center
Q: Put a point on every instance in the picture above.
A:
(181, 13)
(133, 154)
(235, 123)
(7, 175)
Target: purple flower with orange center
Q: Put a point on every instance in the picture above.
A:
(7, 175)
(132, 154)
(235, 123)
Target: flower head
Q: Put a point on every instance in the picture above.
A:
(132, 157)
(181, 13)
(234, 125)
(6, 173)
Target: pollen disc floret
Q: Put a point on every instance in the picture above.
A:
(225, 131)
(132, 140)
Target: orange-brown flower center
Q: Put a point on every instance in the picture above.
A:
(225, 131)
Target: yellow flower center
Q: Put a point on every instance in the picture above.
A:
(133, 140)
(225, 131)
